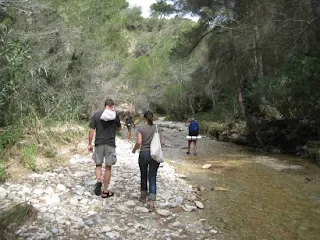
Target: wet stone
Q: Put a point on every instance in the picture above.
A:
(199, 204)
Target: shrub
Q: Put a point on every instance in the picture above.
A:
(9, 137)
(3, 174)
(14, 217)
(50, 152)
(28, 158)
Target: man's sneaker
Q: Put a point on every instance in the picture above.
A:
(188, 153)
(97, 188)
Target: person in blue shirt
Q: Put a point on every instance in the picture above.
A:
(193, 131)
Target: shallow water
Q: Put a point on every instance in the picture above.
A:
(265, 196)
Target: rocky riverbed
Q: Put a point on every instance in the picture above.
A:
(236, 193)
(68, 209)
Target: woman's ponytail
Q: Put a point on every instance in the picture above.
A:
(148, 115)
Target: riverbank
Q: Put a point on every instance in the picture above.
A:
(281, 136)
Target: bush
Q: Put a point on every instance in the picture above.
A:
(50, 152)
(14, 217)
(213, 129)
(28, 158)
(9, 137)
(3, 174)
(295, 92)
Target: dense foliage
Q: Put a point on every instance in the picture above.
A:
(242, 60)
(264, 52)
(260, 65)
(60, 61)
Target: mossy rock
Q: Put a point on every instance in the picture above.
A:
(213, 129)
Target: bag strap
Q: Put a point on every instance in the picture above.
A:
(156, 128)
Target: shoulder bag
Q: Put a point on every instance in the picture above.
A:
(155, 147)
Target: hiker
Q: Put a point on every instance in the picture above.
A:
(104, 146)
(128, 120)
(148, 166)
(193, 131)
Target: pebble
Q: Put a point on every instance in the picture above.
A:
(54, 231)
(206, 166)
(188, 208)
(199, 204)
(163, 212)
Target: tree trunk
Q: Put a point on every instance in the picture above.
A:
(190, 105)
(315, 6)
(212, 95)
(226, 6)
(239, 94)
(240, 98)
(211, 83)
(257, 54)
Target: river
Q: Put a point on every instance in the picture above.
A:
(248, 194)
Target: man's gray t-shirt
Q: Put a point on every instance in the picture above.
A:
(105, 130)
(147, 133)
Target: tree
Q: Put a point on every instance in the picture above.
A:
(248, 43)
(161, 8)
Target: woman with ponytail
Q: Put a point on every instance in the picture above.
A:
(148, 166)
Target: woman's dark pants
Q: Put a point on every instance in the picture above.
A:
(148, 170)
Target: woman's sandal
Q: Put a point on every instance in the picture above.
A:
(107, 194)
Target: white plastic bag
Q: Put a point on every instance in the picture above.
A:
(108, 115)
(155, 147)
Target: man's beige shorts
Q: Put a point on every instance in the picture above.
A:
(104, 152)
